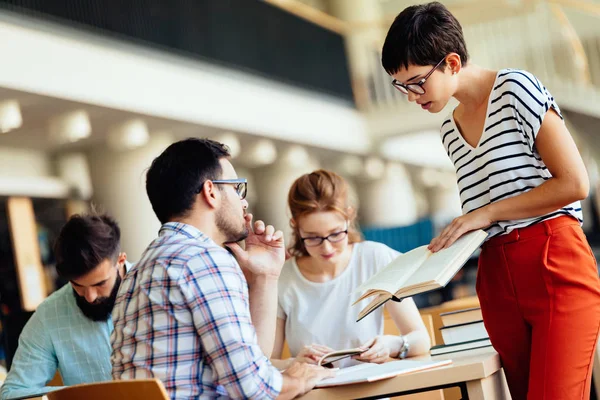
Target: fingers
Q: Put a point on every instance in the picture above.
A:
(368, 343)
(443, 240)
(238, 252)
(321, 347)
(269, 230)
(259, 227)
(248, 218)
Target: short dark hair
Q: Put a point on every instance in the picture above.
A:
(84, 242)
(422, 35)
(176, 176)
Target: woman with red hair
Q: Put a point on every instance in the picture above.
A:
(316, 287)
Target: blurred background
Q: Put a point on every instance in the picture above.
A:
(90, 93)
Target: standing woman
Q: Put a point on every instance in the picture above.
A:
(520, 177)
(316, 286)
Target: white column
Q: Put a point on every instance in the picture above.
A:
(388, 201)
(273, 183)
(119, 181)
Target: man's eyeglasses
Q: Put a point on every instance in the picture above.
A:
(416, 87)
(335, 237)
(240, 185)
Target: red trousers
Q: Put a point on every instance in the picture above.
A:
(540, 299)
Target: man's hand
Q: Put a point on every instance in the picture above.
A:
(265, 251)
(477, 219)
(299, 378)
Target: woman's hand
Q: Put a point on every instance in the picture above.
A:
(311, 354)
(477, 219)
(380, 349)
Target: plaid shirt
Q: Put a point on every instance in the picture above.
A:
(182, 315)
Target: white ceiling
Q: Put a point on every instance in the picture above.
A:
(37, 110)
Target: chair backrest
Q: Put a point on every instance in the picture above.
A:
(453, 305)
(390, 328)
(56, 381)
(139, 389)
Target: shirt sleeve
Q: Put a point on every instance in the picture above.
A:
(385, 255)
(530, 99)
(217, 294)
(34, 363)
(280, 312)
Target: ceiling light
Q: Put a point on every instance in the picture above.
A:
(71, 127)
(374, 167)
(232, 142)
(258, 153)
(10, 116)
(296, 156)
(128, 135)
(350, 165)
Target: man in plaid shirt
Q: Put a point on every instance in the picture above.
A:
(188, 312)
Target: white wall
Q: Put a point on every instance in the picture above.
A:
(119, 180)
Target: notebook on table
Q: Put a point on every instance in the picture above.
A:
(375, 372)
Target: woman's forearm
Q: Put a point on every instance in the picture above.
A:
(550, 196)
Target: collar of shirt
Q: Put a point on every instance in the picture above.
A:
(179, 228)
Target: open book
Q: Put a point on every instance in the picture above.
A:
(418, 271)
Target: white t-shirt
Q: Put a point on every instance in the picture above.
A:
(505, 162)
(322, 313)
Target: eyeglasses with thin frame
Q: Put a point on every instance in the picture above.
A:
(417, 87)
(240, 185)
(334, 237)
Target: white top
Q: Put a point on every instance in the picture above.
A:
(505, 162)
(322, 313)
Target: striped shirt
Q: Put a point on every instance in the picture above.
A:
(182, 315)
(505, 163)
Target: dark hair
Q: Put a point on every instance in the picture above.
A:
(176, 176)
(84, 242)
(320, 190)
(423, 35)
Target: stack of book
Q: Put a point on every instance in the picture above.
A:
(462, 330)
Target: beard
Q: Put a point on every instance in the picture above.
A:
(231, 231)
(100, 309)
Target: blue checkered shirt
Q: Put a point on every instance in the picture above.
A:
(182, 315)
(59, 337)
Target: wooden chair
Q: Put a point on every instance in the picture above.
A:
(389, 328)
(436, 338)
(141, 389)
(57, 380)
(452, 305)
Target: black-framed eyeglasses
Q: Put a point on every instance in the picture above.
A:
(335, 237)
(416, 87)
(240, 185)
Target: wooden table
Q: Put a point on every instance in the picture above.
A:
(477, 372)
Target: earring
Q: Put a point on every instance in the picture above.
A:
(453, 72)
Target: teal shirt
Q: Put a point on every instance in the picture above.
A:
(59, 337)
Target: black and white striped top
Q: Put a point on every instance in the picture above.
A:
(505, 162)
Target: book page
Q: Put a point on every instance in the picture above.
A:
(376, 302)
(396, 273)
(374, 372)
(442, 266)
